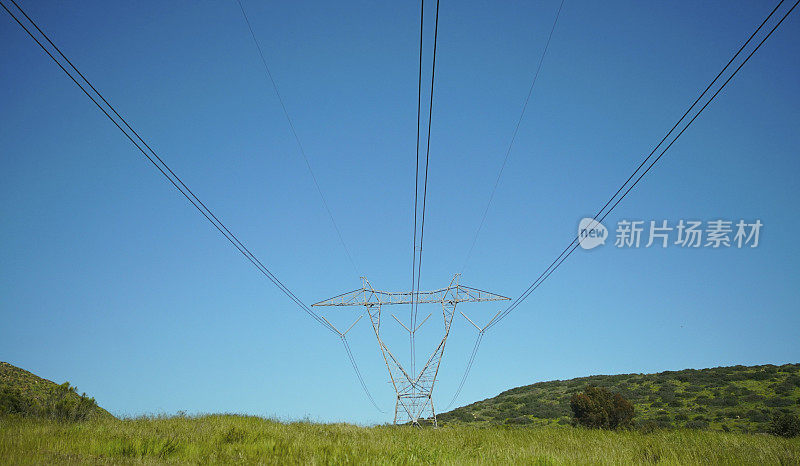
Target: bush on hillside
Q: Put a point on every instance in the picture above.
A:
(519, 420)
(597, 407)
(12, 401)
(61, 403)
(785, 425)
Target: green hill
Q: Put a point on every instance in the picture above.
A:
(737, 398)
(26, 394)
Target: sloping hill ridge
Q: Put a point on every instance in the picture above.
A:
(22, 392)
(736, 398)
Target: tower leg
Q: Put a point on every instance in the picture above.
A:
(433, 412)
(396, 405)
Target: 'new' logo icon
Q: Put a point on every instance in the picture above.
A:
(591, 233)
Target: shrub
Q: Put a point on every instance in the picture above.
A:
(783, 388)
(668, 397)
(757, 416)
(61, 403)
(233, 435)
(649, 427)
(462, 415)
(697, 424)
(599, 408)
(723, 401)
(785, 425)
(778, 402)
(13, 402)
(507, 405)
(519, 420)
(543, 410)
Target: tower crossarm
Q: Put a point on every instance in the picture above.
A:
(367, 296)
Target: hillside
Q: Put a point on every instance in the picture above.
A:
(27, 394)
(737, 398)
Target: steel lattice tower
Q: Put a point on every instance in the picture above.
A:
(414, 391)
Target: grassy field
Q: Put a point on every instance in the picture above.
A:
(229, 439)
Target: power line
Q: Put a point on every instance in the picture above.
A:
(297, 139)
(576, 241)
(427, 158)
(170, 175)
(513, 137)
(358, 373)
(478, 340)
(416, 185)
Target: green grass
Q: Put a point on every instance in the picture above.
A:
(737, 398)
(232, 439)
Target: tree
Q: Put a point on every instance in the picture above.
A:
(597, 407)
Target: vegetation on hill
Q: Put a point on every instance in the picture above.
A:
(737, 398)
(250, 440)
(25, 394)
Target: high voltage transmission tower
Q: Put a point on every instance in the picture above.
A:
(414, 390)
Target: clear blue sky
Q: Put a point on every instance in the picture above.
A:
(109, 279)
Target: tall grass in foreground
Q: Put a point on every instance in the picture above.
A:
(230, 439)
